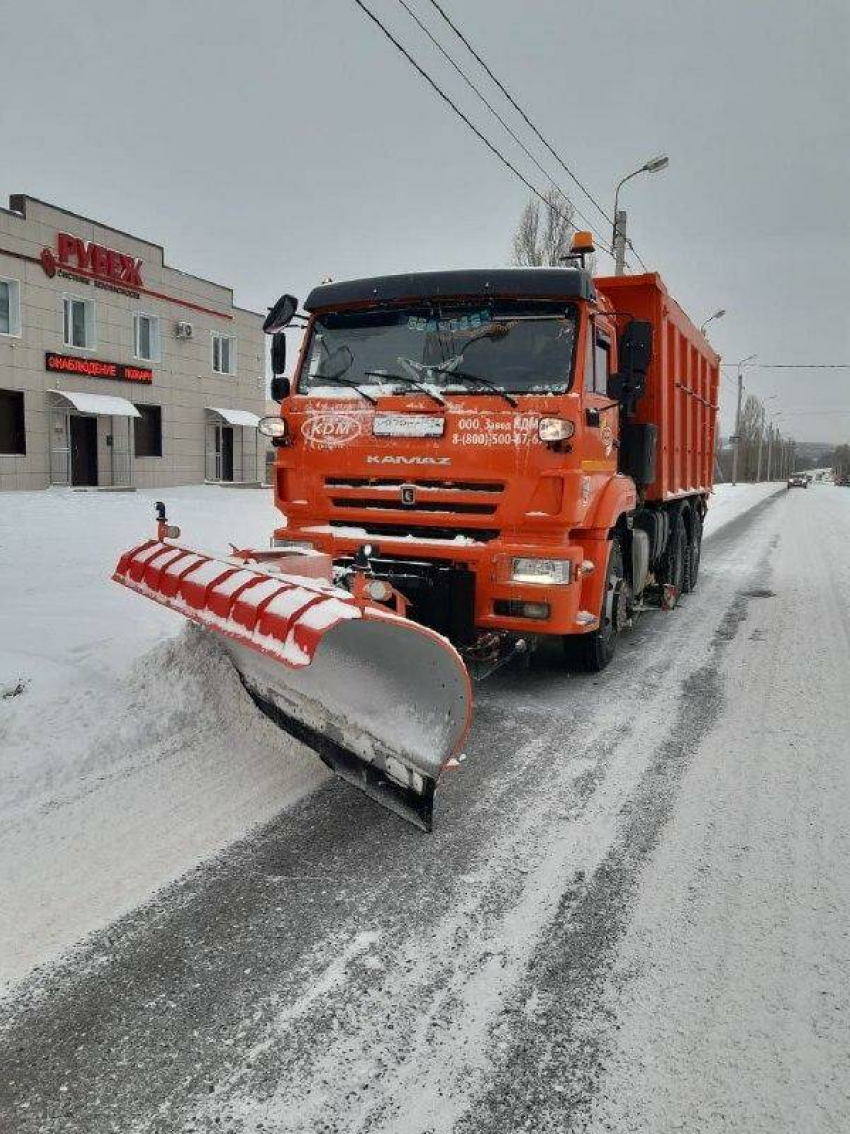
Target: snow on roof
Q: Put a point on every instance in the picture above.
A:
(236, 416)
(98, 403)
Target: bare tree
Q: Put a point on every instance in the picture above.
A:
(841, 462)
(545, 232)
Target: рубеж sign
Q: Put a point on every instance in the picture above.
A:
(95, 368)
(92, 261)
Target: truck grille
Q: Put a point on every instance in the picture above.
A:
(381, 482)
(367, 500)
(421, 531)
(456, 507)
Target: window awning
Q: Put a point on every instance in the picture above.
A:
(236, 416)
(103, 404)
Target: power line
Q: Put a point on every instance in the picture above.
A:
(482, 137)
(789, 365)
(519, 109)
(498, 117)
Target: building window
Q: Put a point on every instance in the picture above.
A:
(148, 430)
(146, 337)
(10, 307)
(12, 434)
(223, 354)
(79, 322)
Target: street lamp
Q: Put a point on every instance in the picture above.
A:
(769, 398)
(770, 427)
(736, 455)
(717, 315)
(654, 165)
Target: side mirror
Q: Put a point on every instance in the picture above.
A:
(636, 349)
(635, 357)
(281, 388)
(281, 315)
(278, 352)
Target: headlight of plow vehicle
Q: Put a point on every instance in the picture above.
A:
(272, 426)
(549, 571)
(555, 429)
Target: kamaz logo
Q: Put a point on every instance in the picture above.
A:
(408, 460)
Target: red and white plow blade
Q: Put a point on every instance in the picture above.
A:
(384, 701)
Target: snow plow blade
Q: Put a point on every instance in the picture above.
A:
(385, 702)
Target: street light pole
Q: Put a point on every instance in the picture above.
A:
(717, 315)
(736, 456)
(769, 398)
(770, 431)
(619, 242)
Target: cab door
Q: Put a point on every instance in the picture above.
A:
(600, 412)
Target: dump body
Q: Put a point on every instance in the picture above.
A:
(682, 389)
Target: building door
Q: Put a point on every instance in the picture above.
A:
(227, 452)
(83, 450)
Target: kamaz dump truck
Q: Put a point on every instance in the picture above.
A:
(468, 462)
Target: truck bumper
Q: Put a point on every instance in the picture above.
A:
(462, 588)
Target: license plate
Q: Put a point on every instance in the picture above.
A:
(408, 425)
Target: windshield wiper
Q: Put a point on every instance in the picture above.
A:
(467, 378)
(338, 380)
(412, 382)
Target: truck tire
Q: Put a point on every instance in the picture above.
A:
(592, 652)
(693, 555)
(673, 567)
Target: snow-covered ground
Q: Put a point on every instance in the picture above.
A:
(632, 914)
(128, 724)
(729, 501)
(133, 752)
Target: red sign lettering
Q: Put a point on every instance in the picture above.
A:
(96, 368)
(90, 259)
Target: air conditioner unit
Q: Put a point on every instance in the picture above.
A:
(185, 330)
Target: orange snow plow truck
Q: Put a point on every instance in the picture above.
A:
(468, 462)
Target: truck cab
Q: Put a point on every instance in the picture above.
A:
(463, 433)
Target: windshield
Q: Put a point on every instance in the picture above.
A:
(450, 348)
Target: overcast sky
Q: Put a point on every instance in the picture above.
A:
(269, 144)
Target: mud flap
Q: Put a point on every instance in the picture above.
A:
(384, 702)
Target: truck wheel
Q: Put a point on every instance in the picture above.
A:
(593, 652)
(693, 555)
(675, 559)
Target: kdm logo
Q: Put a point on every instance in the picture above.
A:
(330, 430)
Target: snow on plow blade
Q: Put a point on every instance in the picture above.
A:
(386, 703)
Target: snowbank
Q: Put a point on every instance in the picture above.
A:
(132, 751)
(729, 501)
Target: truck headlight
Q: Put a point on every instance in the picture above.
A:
(547, 571)
(555, 429)
(272, 426)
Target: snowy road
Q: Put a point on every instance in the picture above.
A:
(632, 915)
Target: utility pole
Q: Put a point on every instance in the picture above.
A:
(736, 456)
(620, 242)
(769, 448)
(737, 453)
(761, 435)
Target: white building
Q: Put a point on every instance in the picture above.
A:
(115, 369)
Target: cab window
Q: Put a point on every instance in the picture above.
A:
(597, 364)
(601, 365)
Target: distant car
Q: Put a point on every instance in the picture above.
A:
(798, 480)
